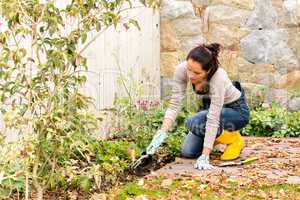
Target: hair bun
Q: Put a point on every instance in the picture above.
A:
(215, 48)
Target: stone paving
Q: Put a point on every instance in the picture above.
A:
(279, 160)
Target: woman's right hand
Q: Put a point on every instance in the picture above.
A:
(157, 139)
(159, 136)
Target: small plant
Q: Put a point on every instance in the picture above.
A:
(274, 121)
(141, 124)
(257, 96)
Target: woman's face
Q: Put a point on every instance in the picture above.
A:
(195, 72)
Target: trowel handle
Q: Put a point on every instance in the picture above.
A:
(249, 160)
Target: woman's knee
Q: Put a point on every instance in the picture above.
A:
(186, 153)
(190, 151)
(192, 146)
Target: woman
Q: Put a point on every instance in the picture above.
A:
(225, 109)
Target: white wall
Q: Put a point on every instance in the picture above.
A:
(134, 50)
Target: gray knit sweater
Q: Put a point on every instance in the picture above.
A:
(221, 92)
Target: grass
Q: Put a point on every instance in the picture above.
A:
(193, 188)
(133, 189)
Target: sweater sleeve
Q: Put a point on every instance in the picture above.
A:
(214, 113)
(178, 91)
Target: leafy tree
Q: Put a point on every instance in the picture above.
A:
(41, 71)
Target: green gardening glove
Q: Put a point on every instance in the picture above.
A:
(157, 139)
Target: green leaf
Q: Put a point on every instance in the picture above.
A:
(85, 183)
(135, 23)
(98, 26)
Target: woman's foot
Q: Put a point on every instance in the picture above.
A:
(235, 144)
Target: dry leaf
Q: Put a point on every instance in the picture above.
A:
(97, 196)
(73, 195)
(141, 197)
(166, 182)
(141, 182)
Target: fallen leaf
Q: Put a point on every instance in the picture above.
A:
(98, 196)
(73, 195)
(141, 182)
(141, 197)
(203, 186)
(282, 192)
(166, 182)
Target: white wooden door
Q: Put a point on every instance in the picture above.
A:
(132, 54)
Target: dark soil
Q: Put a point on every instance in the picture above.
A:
(151, 163)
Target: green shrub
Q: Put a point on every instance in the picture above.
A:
(274, 121)
(40, 94)
(292, 126)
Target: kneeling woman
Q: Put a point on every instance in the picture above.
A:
(224, 113)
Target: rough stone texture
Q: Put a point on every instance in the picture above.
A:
(169, 60)
(227, 15)
(168, 38)
(228, 36)
(265, 39)
(272, 153)
(171, 9)
(289, 81)
(188, 26)
(284, 58)
(291, 11)
(294, 41)
(269, 46)
(280, 96)
(180, 31)
(256, 73)
(228, 60)
(249, 5)
(260, 39)
(200, 3)
(294, 104)
(264, 16)
(189, 42)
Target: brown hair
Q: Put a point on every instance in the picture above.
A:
(207, 55)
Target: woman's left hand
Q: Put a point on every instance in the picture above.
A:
(202, 163)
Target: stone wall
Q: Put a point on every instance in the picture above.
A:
(260, 39)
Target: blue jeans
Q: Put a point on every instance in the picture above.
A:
(234, 116)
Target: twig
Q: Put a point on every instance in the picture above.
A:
(92, 40)
(24, 12)
(36, 183)
(122, 79)
(26, 186)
